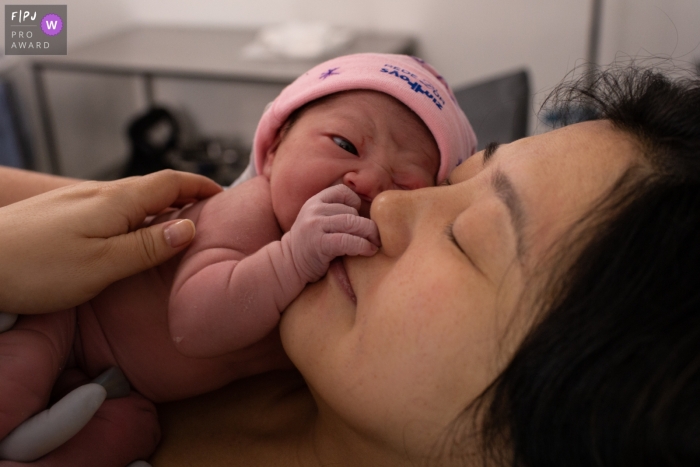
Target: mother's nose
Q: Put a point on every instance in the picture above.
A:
(395, 212)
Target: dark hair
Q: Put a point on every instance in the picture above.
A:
(610, 375)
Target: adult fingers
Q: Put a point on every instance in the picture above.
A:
(147, 247)
(60, 248)
(154, 192)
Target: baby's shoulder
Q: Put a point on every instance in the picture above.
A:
(243, 212)
(256, 190)
(251, 199)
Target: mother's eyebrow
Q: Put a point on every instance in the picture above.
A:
(505, 190)
(489, 150)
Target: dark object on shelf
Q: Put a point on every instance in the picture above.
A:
(498, 108)
(222, 160)
(152, 136)
(156, 144)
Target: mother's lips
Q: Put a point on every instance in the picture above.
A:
(337, 268)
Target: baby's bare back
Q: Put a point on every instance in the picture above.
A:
(127, 324)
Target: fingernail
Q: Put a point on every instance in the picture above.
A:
(178, 233)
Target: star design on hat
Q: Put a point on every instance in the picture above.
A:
(326, 74)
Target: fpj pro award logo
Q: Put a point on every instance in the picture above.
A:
(36, 29)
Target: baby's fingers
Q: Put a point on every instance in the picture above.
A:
(340, 194)
(328, 210)
(353, 225)
(342, 244)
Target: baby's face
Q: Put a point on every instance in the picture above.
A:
(366, 140)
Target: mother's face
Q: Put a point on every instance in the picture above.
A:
(421, 328)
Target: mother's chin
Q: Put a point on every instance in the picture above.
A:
(319, 316)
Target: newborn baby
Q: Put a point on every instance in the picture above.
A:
(336, 137)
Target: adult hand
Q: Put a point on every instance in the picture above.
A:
(61, 248)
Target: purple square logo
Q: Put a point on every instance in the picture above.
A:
(36, 29)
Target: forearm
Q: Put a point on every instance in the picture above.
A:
(17, 184)
(233, 304)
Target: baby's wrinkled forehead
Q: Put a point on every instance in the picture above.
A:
(374, 114)
(399, 112)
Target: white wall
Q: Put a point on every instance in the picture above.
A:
(469, 39)
(642, 28)
(465, 40)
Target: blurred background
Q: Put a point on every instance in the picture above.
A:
(185, 81)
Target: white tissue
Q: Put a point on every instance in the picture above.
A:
(299, 40)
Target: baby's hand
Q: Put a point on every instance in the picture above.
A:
(328, 226)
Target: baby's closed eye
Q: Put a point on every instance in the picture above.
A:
(412, 180)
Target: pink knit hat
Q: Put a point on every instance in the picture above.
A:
(408, 79)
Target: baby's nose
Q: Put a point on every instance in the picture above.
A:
(368, 183)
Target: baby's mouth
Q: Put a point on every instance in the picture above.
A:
(365, 207)
(337, 268)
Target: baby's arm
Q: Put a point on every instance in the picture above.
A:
(234, 303)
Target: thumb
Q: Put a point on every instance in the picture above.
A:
(150, 246)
